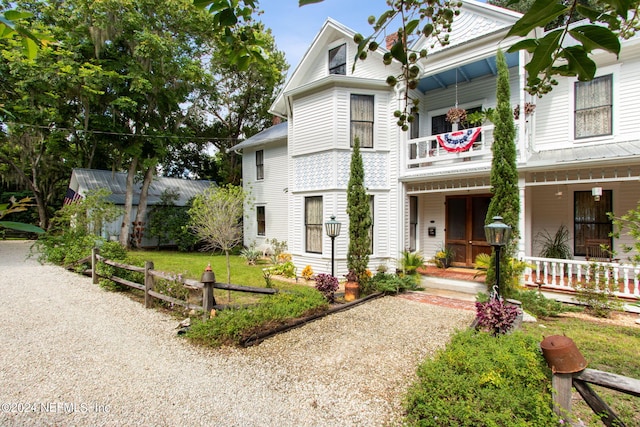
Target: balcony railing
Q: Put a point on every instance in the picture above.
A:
(428, 151)
(569, 275)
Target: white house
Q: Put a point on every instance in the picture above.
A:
(85, 180)
(580, 140)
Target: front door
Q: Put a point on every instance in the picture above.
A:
(464, 228)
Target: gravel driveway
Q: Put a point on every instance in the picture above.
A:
(73, 354)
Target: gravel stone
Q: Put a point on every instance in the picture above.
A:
(74, 354)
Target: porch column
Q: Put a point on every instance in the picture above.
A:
(525, 229)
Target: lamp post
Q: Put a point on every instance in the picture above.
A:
(497, 234)
(333, 230)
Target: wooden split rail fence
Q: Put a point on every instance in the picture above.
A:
(150, 276)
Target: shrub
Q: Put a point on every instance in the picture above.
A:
(392, 283)
(251, 254)
(307, 272)
(288, 269)
(538, 305)
(495, 316)
(232, 325)
(481, 380)
(327, 285)
(596, 295)
(411, 261)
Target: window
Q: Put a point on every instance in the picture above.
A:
(590, 219)
(261, 220)
(313, 224)
(338, 60)
(362, 120)
(594, 105)
(413, 223)
(415, 127)
(439, 124)
(260, 164)
(371, 205)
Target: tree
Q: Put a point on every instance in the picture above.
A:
(505, 201)
(216, 218)
(359, 216)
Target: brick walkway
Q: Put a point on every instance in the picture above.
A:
(438, 300)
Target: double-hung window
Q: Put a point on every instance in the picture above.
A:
(338, 60)
(362, 120)
(260, 164)
(313, 224)
(594, 107)
(261, 219)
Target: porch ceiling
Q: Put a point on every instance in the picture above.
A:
(464, 73)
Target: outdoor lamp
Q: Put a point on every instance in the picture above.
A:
(333, 230)
(596, 192)
(497, 234)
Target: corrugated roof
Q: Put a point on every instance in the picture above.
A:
(586, 153)
(272, 134)
(116, 182)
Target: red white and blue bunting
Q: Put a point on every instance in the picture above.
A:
(460, 140)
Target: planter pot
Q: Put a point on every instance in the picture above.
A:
(351, 291)
(443, 262)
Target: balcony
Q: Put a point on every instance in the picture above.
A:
(444, 149)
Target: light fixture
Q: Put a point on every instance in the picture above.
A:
(497, 234)
(596, 192)
(333, 230)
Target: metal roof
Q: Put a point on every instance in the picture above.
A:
(274, 133)
(584, 154)
(91, 179)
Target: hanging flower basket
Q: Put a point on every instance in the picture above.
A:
(529, 108)
(456, 115)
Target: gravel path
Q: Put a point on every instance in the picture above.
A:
(73, 354)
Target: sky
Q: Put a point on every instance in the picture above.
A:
(294, 28)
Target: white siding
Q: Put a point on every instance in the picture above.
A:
(314, 118)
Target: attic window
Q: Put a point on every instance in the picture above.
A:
(338, 60)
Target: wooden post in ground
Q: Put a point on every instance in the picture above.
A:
(208, 300)
(94, 264)
(561, 393)
(148, 283)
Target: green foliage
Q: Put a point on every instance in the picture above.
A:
(598, 296)
(277, 249)
(251, 254)
(516, 267)
(536, 304)
(629, 223)
(481, 380)
(392, 284)
(16, 206)
(232, 325)
(116, 252)
(505, 200)
(168, 223)
(75, 229)
(286, 269)
(216, 218)
(359, 216)
(556, 246)
(411, 261)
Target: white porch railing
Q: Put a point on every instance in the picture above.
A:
(566, 275)
(426, 151)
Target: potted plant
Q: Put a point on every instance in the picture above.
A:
(411, 261)
(555, 246)
(444, 256)
(456, 115)
(351, 286)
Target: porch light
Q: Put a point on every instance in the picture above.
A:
(596, 192)
(333, 230)
(497, 234)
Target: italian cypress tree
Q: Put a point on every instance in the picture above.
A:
(359, 216)
(504, 177)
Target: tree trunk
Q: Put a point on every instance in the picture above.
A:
(141, 214)
(128, 203)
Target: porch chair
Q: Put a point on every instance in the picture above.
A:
(598, 250)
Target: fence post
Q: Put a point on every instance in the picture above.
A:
(561, 393)
(148, 283)
(208, 279)
(94, 264)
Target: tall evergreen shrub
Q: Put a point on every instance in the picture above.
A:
(359, 216)
(504, 177)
